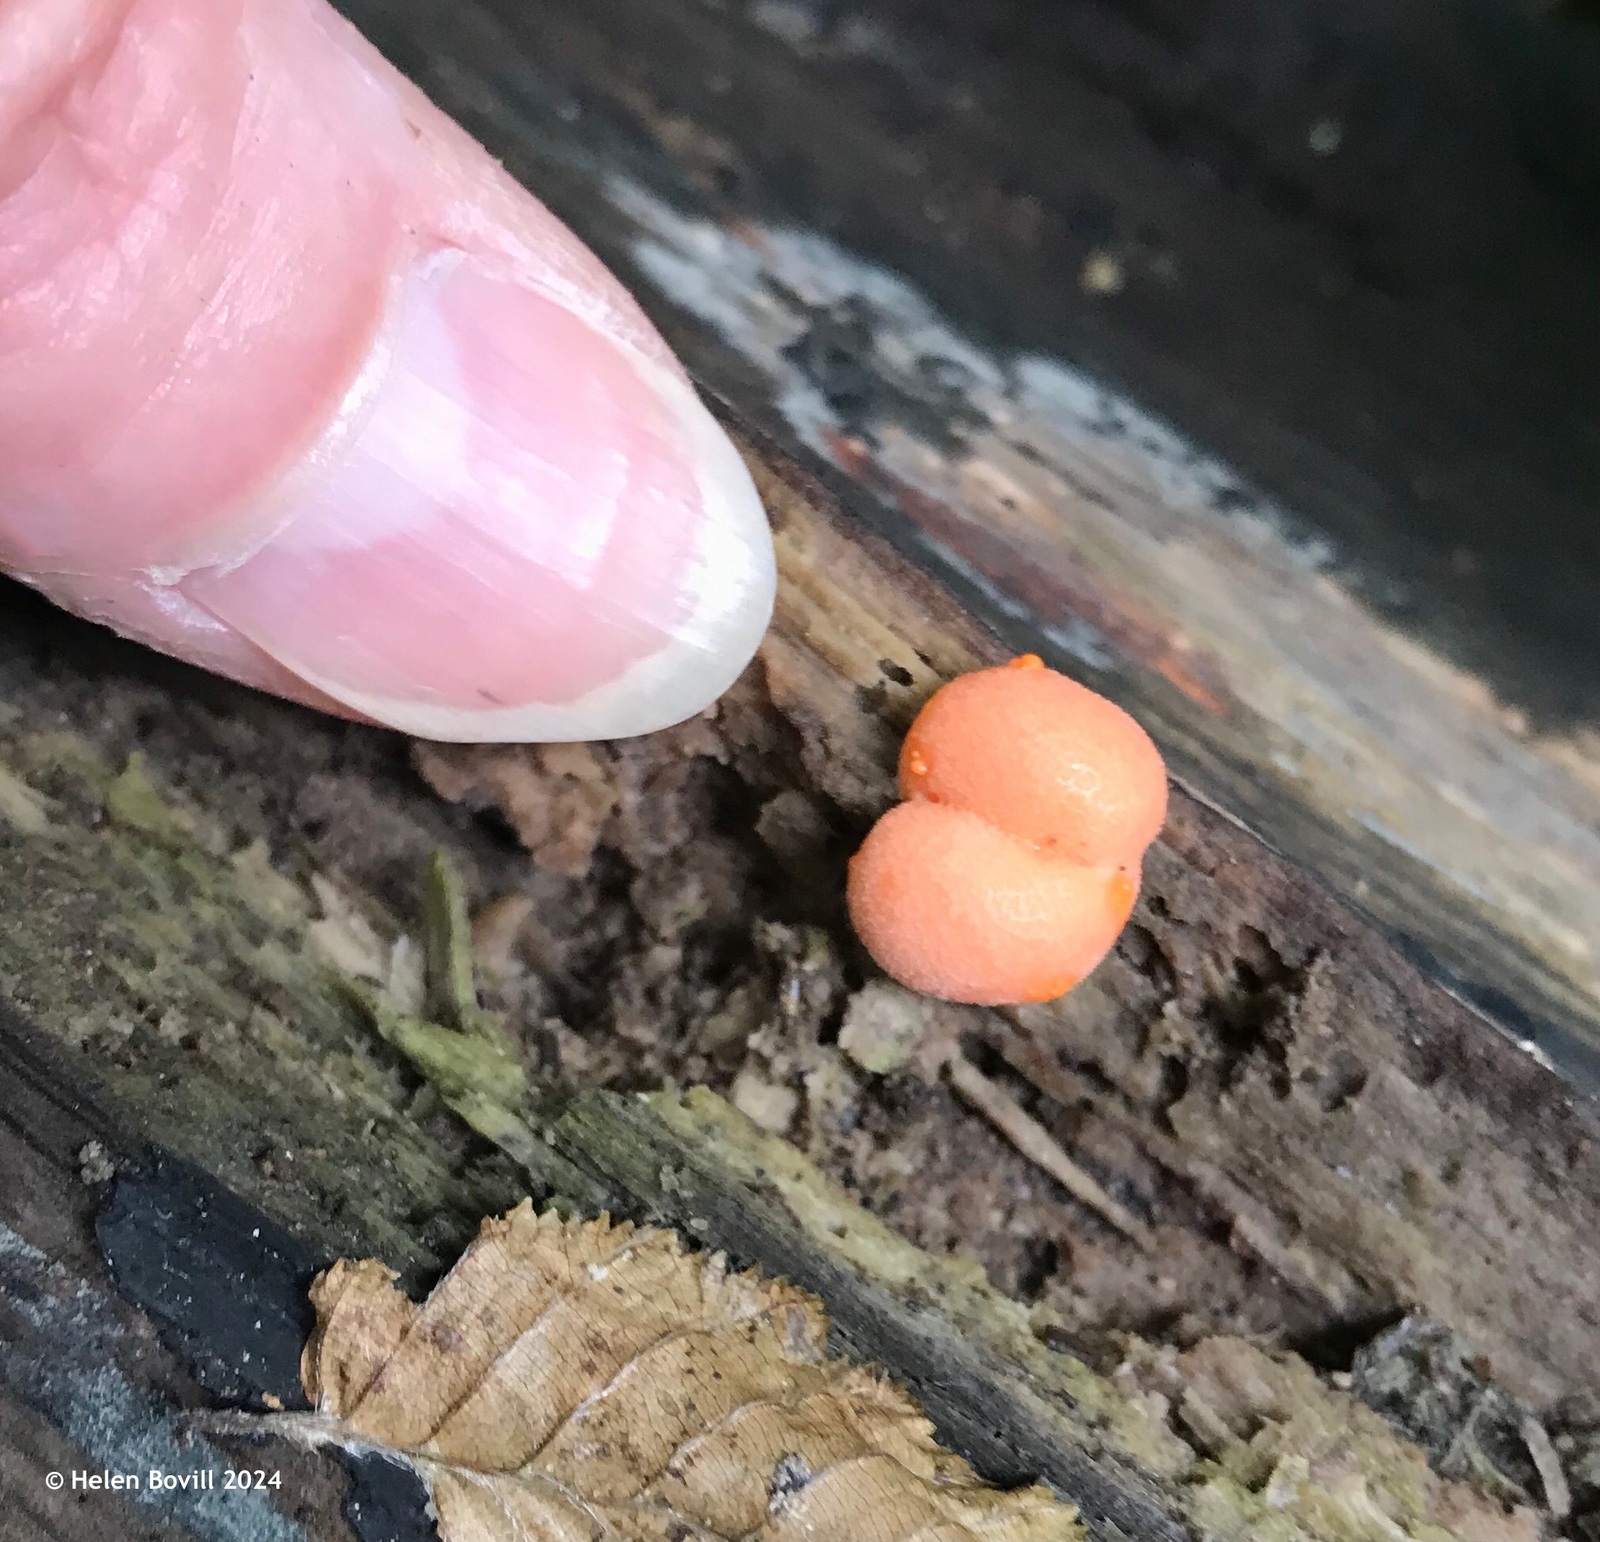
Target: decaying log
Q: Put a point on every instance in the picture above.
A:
(1350, 1124)
(218, 1070)
(1083, 321)
(223, 1285)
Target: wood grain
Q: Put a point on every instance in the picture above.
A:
(1016, 1408)
(1317, 1095)
(873, 240)
(1337, 1115)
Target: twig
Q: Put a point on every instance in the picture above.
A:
(1253, 1226)
(1040, 1147)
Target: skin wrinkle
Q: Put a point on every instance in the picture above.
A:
(45, 46)
(181, 262)
(203, 279)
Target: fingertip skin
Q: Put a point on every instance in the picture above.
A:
(1013, 864)
(299, 384)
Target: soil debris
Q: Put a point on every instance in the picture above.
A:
(684, 927)
(1433, 1387)
(696, 936)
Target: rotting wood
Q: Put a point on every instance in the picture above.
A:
(1407, 1151)
(1354, 1125)
(187, 973)
(1035, 1143)
(86, 1386)
(33, 1513)
(774, 243)
(996, 1392)
(1349, 1125)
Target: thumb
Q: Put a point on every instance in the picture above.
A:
(295, 383)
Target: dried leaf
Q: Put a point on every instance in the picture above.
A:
(580, 1380)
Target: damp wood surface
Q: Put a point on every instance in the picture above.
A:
(1382, 793)
(1316, 1137)
(150, 1293)
(1237, 358)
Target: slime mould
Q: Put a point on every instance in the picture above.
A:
(1013, 861)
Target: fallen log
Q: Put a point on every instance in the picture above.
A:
(1279, 1132)
(1348, 1126)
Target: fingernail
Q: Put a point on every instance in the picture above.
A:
(528, 532)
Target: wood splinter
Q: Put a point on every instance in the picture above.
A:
(1040, 1147)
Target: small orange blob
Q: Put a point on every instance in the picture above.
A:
(1012, 865)
(1121, 892)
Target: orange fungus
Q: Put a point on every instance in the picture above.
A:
(1013, 863)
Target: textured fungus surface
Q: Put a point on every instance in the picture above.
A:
(1013, 864)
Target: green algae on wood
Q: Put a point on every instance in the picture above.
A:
(190, 975)
(187, 977)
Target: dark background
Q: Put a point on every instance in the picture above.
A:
(1397, 337)
(1401, 338)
